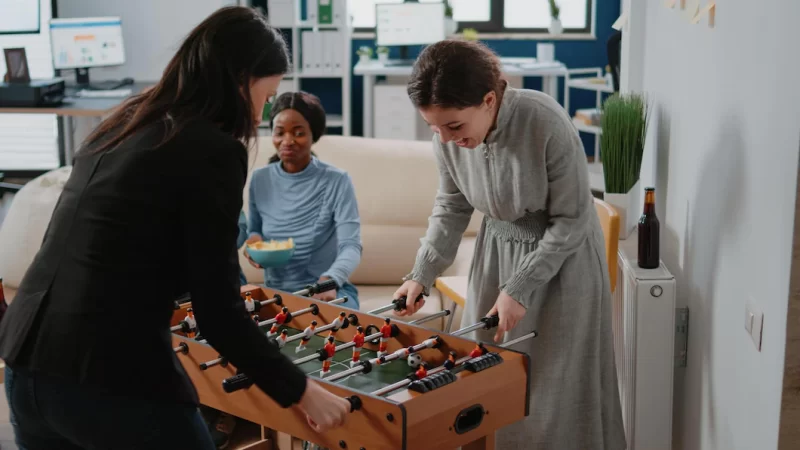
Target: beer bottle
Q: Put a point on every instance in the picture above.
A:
(649, 232)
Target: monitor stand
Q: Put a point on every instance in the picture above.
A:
(82, 81)
(403, 61)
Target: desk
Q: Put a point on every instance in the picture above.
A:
(72, 107)
(454, 288)
(549, 71)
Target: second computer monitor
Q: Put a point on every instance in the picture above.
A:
(409, 24)
(84, 43)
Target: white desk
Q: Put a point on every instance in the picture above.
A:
(549, 71)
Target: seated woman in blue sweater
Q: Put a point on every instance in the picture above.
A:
(300, 197)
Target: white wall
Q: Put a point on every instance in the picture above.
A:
(724, 141)
(152, 30)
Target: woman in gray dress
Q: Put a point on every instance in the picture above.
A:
(539, 262)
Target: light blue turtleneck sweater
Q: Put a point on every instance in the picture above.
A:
(317, 208)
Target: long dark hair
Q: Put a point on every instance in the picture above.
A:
(209, 77)
(308, 105)
(454, 74)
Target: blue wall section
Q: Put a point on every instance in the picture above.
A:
(575, 54)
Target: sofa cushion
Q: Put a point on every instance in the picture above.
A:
(26, 222)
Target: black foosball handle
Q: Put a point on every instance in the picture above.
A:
(400, 303)
(317, 288)
(491, 321)
(236, 383)
(355, 403)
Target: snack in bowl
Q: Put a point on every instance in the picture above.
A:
(271, 253)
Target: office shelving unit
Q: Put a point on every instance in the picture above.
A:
(299, 26)
(590, 83)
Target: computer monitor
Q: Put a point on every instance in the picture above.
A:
(405, 24)
(84, 43)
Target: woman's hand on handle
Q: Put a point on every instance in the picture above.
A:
(327, 295)
(411, 289)
(509, 311)
(252, 240)
(324, 410)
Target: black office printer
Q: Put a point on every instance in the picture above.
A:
(34, 93)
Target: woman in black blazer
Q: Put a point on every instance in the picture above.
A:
(157, 186)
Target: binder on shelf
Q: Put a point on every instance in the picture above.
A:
(311, 12)
(281, 13)
(325, 12)
(307, 50)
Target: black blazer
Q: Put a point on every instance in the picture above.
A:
(133, 229)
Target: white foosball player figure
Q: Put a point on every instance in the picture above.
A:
(281, 339)
(338, 322)
(249, 303)
(191, 322)
(307, 333)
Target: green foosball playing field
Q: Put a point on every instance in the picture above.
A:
(380, 376)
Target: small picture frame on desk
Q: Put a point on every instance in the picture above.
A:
(17, 66)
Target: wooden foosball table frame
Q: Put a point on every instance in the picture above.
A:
(462, 413)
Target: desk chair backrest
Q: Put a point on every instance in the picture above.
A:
(609, 222)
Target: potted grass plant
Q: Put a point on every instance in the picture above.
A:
(450, 25)
(555, 20)
(624, 129)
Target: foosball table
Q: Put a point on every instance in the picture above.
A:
(409, 387)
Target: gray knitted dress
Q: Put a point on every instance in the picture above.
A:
(541, 242)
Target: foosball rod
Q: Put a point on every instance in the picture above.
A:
(300, 312)
(367, 365)
(398, 304)
(311, 289)
(403, 383)
(371, 337)
(296, 313)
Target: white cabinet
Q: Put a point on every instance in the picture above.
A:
(395, 115)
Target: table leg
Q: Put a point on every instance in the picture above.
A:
(285, 441)
(484, 443)
(369, 84)
(69, 140)
(453, 306)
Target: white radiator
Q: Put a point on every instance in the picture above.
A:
(644, 341)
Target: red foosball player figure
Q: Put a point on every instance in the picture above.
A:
(451, 361)
(358, 341)
(422, 371)
(280, 318)
(281, 339)
(191, 322)
(330, 350)
(479, 350)
(307, 333)
(386, 333)
(249, 303)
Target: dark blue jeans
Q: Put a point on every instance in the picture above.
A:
(48, 413)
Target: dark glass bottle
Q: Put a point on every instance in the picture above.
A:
(649, 232)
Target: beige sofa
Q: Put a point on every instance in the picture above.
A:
(395, 184)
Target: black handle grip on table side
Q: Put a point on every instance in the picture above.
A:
(400, 303)
(491, 321)
(236, 382)
(355, 403)
(325, 286)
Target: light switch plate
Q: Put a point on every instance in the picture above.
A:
(754, 324)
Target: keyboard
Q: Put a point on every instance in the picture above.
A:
(112, 93)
